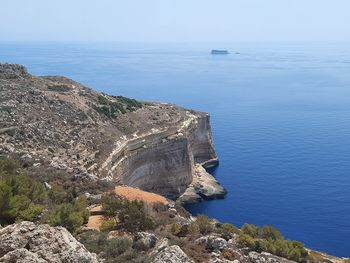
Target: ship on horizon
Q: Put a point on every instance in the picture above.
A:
(219, 52)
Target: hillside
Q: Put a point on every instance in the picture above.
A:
(55, 122)
(114, 172)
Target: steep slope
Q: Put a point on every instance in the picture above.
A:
(57, 122)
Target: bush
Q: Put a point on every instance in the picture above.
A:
(58, 195)
(226, 230)
(131, 214)
(269, 239)
(32, 213)
(21, 197)
(70, 216)
(133, 217)
(94, 241)
(117, 246)
(175, 228)
(246, 241)
(112, 205)
(250, 230)
(108, 225)
(193, 229)
(204, 224)
(114, 249)
(269, 232)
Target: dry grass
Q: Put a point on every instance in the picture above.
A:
(95, 222)
(132, 194)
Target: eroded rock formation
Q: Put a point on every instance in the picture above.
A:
(56, 122)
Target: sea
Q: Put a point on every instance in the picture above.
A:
(280, 117)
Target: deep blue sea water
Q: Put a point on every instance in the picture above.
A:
(280, 115)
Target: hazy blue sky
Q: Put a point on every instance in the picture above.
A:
(175, 20)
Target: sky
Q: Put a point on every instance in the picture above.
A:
(174, 20)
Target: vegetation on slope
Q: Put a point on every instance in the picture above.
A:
(118, 105)
(23, 197)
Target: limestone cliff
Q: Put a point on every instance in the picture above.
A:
(60, 123)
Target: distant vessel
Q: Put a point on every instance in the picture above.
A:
(219, 52)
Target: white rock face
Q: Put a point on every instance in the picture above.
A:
(172, 254)
(264, 257)
(28, 242)
(212, 242)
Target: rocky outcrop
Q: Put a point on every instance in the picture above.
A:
(264, 257)
(172, 254)
(212, 243)
(28, 242)
(203, 186)
(59, 123)
(145, 240)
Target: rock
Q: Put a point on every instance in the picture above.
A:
(47, 185)
(172, 254)
(93, 197)
(190, 196)
(203, 186)
(206, 185)
(161, 244)
(13, 71)
(145, 240)
(28, 242)
(264, 257)
(212, 243)
(22, 255)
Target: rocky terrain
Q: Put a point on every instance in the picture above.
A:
(57, 136)
(56, 122)
(28, 242)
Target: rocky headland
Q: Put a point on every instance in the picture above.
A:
(56, 122)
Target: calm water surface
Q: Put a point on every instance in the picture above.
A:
(280, 118)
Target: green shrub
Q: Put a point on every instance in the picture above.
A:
(112, 205)
(117, 246)
(8, 167)
(70, 216)
(21, 197)
(64, 215)
(5, 197)
(175, 228)
(269, 232)
(269, 239)
(58, 195)
(250, 230)
(226, 230)
(131, 214)
(245, 240)
(94, 241)
(193, 229)
(204, 224)
(133, 217)
(32, 213)
(108, 225)
(120, 104)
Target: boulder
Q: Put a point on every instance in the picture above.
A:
(22, 255)
(145, 240)
(172, 254)
(212, 243)
(265, 257)
(28, 242)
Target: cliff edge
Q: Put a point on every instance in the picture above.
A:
(59, 123)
